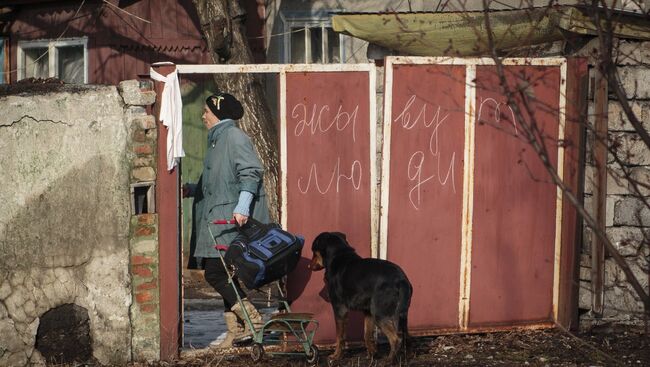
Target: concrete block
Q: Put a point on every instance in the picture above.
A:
(589, 147)
(143, 161)
(621, 303)
(584, 295)
(586, 243)
(143, 174)
(631, 211)
(635, 81)
(641, 175)
(145, 122)
(609, 210)
(617, 184)
(134, 96)
(585, 273)
(589, 179)
(629, 241)
(632, 53)
(588, 204)
(613, 273)
(136, 111)
(143, 246)
(618, 121)
(630, 149)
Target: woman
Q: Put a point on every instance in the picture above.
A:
(230, 187)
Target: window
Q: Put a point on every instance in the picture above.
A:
(64, 59)
(3, 63)
(309, 38)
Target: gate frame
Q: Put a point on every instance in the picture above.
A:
(379, 205)
(167, 342)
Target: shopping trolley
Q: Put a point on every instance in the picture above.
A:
(293, 333)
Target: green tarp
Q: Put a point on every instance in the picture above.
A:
(465, 33)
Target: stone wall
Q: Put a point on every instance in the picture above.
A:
(627, 220)
(67, 231)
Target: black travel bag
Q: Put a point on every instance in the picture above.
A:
(262, 253)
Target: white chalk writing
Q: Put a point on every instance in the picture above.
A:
(353, 178)
(417, 161)
(314, 120)
(497, 112)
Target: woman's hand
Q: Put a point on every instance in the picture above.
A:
(187, 190)
(241, 219)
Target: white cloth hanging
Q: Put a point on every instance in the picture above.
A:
(171, 115)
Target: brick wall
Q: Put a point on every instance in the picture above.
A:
(143, 243)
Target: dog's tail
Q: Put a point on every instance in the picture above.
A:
(405, 292)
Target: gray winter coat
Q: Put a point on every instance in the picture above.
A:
(230, 166)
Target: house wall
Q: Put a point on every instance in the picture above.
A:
(120, 46)
(354, 48)
(67, 233)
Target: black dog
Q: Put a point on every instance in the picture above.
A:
(378, 288)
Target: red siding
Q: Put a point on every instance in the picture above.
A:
(120, 46)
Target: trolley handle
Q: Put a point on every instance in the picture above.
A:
(225, 221)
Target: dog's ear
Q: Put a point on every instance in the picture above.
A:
(320, 242)
(340, 238)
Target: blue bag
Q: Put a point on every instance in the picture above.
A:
(262, 253)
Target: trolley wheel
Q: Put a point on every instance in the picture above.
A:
(257, 352)
(312, 357)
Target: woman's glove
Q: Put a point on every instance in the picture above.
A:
(242, 210)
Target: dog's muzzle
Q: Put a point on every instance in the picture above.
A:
(316, 263)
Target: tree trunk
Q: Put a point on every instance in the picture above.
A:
(222, 24)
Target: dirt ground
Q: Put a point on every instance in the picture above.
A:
(605, 347)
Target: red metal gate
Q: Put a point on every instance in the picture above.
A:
(469, 210)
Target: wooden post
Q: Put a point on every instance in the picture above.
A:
(599, 197)
(167, 205)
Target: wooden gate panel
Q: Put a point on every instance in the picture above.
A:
(514, 215)
(327, 177)
(426, 183)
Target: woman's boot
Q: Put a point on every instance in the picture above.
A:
(235, 330)
(255, 317)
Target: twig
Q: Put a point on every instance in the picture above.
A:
(603, 354)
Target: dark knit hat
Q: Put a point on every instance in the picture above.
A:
(225, 106)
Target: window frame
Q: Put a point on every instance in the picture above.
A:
(52, 46)
(4, 60)
(307, 20)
